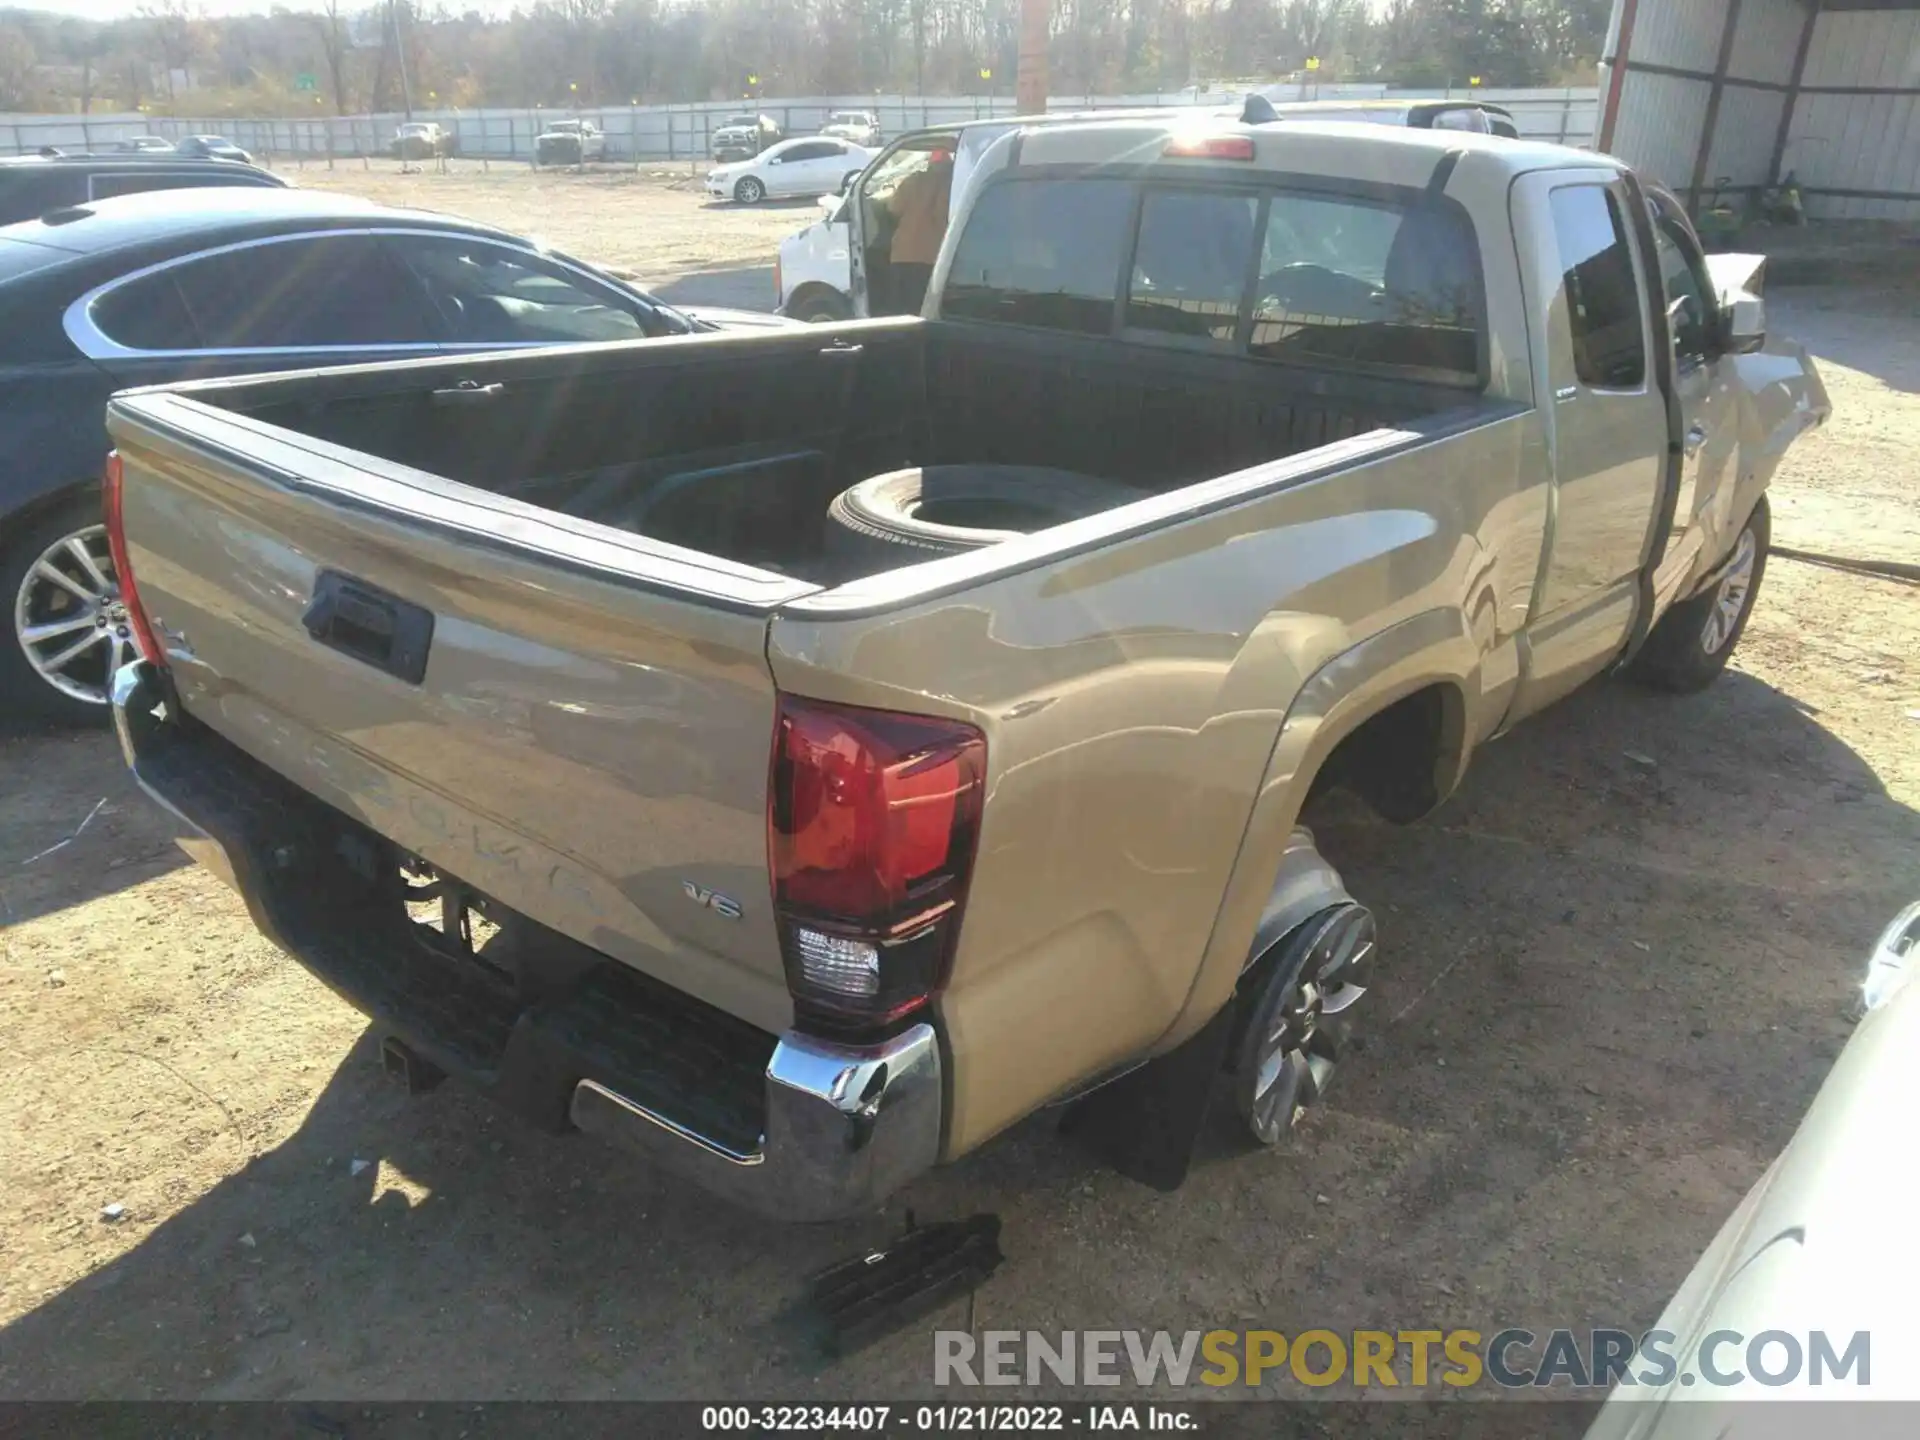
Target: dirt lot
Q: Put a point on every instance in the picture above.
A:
(1618, 965)
(655, 223)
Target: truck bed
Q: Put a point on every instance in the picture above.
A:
(734, 448)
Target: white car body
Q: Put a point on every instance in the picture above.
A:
(861, 127)
(810, 165)
(814, 276)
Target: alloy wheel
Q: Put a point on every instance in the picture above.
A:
(1303, 1022)
(69, 619)
(1730, 600)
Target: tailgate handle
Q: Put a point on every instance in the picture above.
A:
(371, 626)
(469, 392)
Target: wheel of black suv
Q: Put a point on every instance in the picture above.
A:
(1301, 1000)
(1694, 640)
(68, 631)
(749, 191)
(908, 515)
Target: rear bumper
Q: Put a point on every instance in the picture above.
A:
(792, 1126)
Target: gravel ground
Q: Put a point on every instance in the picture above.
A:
(1612, 986)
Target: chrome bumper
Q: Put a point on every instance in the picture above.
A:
(842, 1127)
(845, 1127)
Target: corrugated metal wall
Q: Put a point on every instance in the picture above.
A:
(1742, 91)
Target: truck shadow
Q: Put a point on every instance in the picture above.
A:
(1617, 966)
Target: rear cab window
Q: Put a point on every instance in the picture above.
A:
(1367, 281)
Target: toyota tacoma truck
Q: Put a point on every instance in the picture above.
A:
(799, 756)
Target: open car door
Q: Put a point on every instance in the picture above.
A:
(902, 175)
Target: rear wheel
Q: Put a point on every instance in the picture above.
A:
(749, 191)
(69, 631)
(1694, 640)
(819, 305)
(1300, 1017)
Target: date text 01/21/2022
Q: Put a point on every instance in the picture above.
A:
(945, 1419)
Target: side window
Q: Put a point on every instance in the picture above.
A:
(1042, 252)
(1190, 265)
(1603, 299)
(334, 290)
(1348, 279)
(147, 314)
(814, 151)
(1688, 298)
(490, 294)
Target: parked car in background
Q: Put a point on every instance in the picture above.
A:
(422, 140)
(569, 142)
(811, 165)
(211, 147)
(741, 137)
(33, 185)
(144, 145)
(860, 127)
(167, 286)
(1822, 1246)
(813, 274)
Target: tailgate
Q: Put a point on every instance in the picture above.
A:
(570, 719)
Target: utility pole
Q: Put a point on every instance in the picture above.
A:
(400, 54)
(1030, 79)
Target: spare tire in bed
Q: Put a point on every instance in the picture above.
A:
(909, 515)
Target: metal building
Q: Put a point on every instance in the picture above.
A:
(1701, 91)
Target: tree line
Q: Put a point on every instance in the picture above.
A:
(348, 57)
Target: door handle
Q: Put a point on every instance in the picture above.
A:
(468, 392)
(371, 626)
(1696, 437)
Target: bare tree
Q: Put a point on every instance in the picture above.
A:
(17, 63)
(328, 23)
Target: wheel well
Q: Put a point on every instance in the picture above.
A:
(1399, 759)
(13, 521)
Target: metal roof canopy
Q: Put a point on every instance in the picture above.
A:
(1694, 90)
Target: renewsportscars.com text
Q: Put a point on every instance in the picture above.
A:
(1386, 1359)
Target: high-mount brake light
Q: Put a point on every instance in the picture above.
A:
(1208, 147)
(872, 822)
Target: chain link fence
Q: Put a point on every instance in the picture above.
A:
(642, 133)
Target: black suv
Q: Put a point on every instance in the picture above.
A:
(32, 185)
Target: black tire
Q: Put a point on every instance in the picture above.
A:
(749, 191)
(918, 514)
(819, 305)
(24, 693)
(1693, 641)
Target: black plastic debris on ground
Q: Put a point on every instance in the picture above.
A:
(872, 1295)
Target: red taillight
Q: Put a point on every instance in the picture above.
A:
(111, 484)
(1209, 147)
(871, 830)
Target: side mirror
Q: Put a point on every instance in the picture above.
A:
(1743, 323)
(829, 203)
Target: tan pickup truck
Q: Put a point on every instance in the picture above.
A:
(801, 755)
